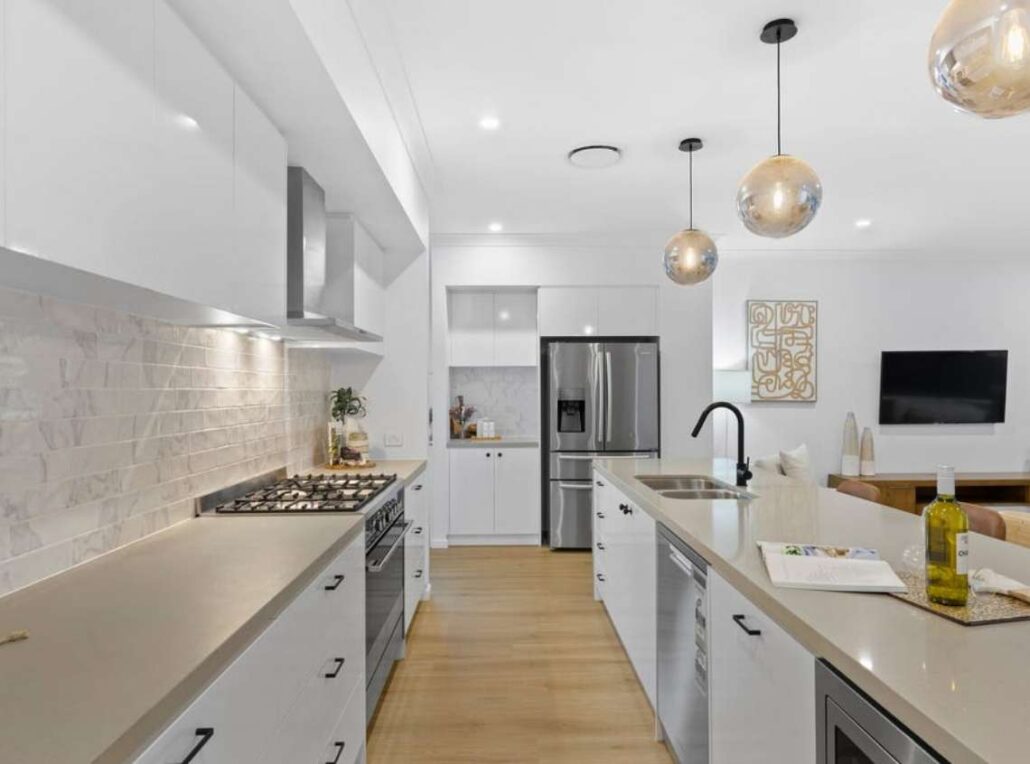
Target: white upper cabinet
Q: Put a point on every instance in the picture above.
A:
(354, 275)
(568, 311)
(627, 311)
(131, 154)
(492, 328)
(603, 311)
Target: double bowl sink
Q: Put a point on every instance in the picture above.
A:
(693, 487)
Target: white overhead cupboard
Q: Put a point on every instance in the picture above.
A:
(630, 311)
(492, 328)
(494, 495)
(131, 153)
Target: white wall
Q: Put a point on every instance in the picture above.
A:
(869, 304)
(684, 319)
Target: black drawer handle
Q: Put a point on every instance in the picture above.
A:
(417, 531)
(749, 631)
(601, 578)
(413, 488)
(600, 546)
(601, 515)
(600, 484)
(205, 734)
(626, 509)
(336, 671)
(418, 573)
(487, 454)
(340, 745)
(337, 580)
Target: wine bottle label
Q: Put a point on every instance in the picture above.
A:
(962, 553)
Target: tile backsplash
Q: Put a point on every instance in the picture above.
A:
(111, 425)
(505, 394)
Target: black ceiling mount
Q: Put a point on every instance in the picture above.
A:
(778, 31)
(691, 145)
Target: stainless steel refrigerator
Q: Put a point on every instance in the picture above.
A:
(600, 399)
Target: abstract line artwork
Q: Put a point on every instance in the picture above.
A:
(781, 338)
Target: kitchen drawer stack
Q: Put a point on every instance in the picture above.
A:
(297, 694)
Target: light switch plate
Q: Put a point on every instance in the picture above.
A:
(393, 439)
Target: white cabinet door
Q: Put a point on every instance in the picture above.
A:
(369, 294)
(515, 337)
(627, 311)
(259, 217)
(641, 623)
(568, 311)
(471, 328)
(472, 491)
(416, 547)
(762, 686)
(80, 156)
(600, 534)
(517, 491)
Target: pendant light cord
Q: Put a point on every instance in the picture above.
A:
(779, 147)
(691, 190)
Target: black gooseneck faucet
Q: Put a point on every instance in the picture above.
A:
(743, 464)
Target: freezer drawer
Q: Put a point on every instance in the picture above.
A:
(579, 466)
(570, 504)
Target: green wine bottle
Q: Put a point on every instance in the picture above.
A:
(947, 544)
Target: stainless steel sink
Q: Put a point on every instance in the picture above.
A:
(662, 483)
(709, 493)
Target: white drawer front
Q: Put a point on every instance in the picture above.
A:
(348, 739)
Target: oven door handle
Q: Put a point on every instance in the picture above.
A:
(377, 567)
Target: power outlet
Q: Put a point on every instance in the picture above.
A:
(393, 439)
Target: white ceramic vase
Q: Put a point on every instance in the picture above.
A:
(850, 462)
(867, 466)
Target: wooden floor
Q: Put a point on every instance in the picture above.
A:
(513, 661)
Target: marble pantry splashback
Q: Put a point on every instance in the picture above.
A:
(506, 394)
(111, 425)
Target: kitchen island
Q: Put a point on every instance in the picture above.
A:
(963, 690)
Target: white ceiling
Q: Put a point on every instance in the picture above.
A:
(642, 74)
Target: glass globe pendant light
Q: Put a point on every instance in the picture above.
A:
(980, 56)
(690, 255)
(781, 194)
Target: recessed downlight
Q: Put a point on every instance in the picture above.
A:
(496, 227)
(489, 122)
(863, 223)
(595, 157)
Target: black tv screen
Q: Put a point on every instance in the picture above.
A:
(943, 387)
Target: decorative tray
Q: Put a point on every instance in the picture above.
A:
(980, 610)
(351, 465)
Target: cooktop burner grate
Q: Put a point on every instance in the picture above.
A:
(310, 493)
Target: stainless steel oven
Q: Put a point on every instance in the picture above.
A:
(851, 729)
(384, 595)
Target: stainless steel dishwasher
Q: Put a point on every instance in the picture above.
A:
(682, 649)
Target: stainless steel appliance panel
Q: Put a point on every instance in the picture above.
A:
(384, 608)
(570, 504)
(682, 649)
(630, 396)
(579, 466)
(575, 396)
(851, 729)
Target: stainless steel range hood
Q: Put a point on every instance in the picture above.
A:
(308, 274)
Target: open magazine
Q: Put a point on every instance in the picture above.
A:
(831, 568)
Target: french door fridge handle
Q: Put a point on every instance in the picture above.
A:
(607, 397)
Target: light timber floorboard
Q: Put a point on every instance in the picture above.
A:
(513, 661)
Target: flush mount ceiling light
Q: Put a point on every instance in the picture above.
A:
(489, 122)
(781, 194)
(690, 255)
(595, 157)
(980, 56)
(862, 223)
(495, 227)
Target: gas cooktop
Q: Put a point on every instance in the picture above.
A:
(310, 493)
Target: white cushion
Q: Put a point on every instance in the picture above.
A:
(795, 464)
(768, 463)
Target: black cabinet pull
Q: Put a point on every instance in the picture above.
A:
(601, 578)
(487, 454)
(340, 745)
(337, 580)
(600, 484)
(205, 734)
(601, 515)
(500, 454)
(336, 671)
(749, 631)
(418, 573)
(416, 487)
(417, 531)
(626, 509)
(600, 546)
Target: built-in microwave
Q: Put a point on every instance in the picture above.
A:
(852, 729)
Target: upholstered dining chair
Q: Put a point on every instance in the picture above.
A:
(984, 520)
(861, 490)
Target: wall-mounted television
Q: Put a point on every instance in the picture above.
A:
(943, 386)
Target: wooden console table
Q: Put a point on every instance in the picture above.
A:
(911, 491)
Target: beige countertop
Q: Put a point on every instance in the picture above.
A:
(118, 647)
(964, 690)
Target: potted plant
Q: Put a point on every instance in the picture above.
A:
(347, 407)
